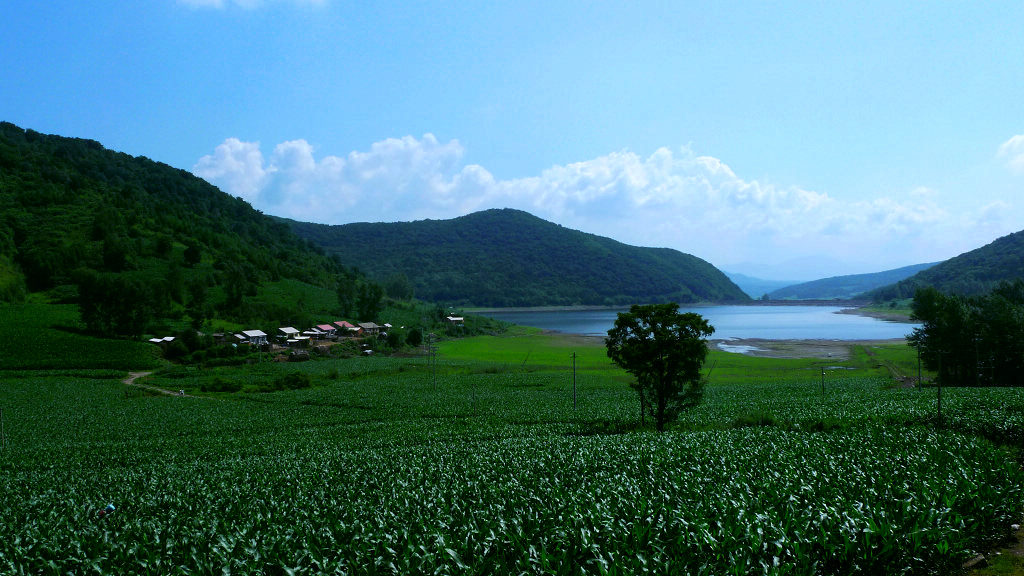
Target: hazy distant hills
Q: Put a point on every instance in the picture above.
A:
(757, 287)
(845, 287)
(512, 258)
(971, 273)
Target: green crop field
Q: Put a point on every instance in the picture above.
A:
(481, 464)
(47, 336)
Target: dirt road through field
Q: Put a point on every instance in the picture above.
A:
(132, 378)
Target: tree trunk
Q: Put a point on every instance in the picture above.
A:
(642, 409)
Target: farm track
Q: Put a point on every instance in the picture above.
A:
(894, 371)
(132, 380)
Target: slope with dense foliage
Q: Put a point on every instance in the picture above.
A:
(512, 258)
(969, 274)
(845, 287)
(136, 239)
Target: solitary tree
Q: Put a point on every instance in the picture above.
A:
(348, 291)
(664, 349)
(369, 300)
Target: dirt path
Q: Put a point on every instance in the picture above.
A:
(1007, 561)
(133, 376)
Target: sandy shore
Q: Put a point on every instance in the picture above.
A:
(760, 347)
(837, 349)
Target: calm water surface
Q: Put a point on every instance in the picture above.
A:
(769, 322)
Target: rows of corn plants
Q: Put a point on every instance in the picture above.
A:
(48, 337)
(382, 467)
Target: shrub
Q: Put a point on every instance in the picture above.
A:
(290, 381)
(220, 385)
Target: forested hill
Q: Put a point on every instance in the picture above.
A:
(969, 274)
(512, 258)
(845, 287)
(76, 216)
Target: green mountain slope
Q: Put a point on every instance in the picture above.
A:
(971, 273)
(76, 218)
(845, 287)
(512, 258)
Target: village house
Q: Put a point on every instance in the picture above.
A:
(347, 328)
(255, 337)
(369, 328)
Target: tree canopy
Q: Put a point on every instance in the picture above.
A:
(664, 350)
(972, 340)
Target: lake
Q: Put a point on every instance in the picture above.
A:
(768, 322)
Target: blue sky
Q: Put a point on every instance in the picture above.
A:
(783, 140)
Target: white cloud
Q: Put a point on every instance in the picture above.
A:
(396, 179)
(1012, 152)
(678, 199)
(235, 166)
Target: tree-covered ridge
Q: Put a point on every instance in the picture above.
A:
(970, 274)
(845, 287)
(512, 258)
(77, 220)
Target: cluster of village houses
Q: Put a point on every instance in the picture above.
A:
(289, 336)
(292, 337)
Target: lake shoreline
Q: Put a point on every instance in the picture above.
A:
(824, 349)
(880, 314)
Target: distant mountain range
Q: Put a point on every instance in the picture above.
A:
(512, 258)
(845, 287)
(971, 273)
(757, 287)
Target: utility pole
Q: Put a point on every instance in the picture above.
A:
(823, 382)
(977, 363)
(432, 358)
(574, 381)
(920, 385)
